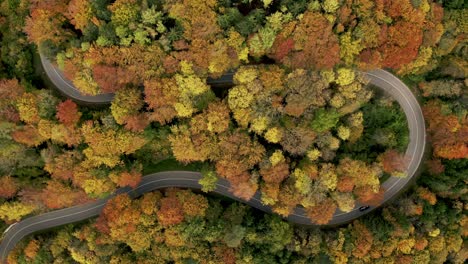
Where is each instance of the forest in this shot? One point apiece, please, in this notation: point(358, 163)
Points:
point(300, 124)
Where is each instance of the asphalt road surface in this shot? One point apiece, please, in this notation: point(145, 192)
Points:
point(183, 179)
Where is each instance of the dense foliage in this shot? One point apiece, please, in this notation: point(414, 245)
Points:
point(300, 125)
point(183, 227)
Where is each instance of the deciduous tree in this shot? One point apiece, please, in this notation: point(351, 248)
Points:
point(171, 211)
point(188, 146)
point(301, 45)
point(80, 13)
point(442, 88)
point(240, 149)
point(427, 195)
point(10, 92)
point(274, 173)
point(197, 17)
point(367, 195)
point(360, 172)
point(28, 135)
point(137, 123)
point(395, 163)
point(27, 106)
point(14, 211)
point(67, 113)
point(124, 12)
point(45, 24)
point(127, 178)
point(449, 135)
point(8, 187)
point(123, 220)
point(161, 96)
point(57, 195)
point(323, 212)
point(127, 102)
point(194, 205)
point(31, 249)
point(363, 241)
point(105, 146)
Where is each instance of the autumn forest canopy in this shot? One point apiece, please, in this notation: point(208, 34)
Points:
point(300, 124)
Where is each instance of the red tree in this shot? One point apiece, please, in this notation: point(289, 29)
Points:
point(45, 24)
point(119, 215)
point(67, 113)
point(161, 95)
point(128, 178)
point(309, 44)
point(367, 196)
point(171, 211)
point(105, 77)
point(275, 174)
point(323, 212)
point(449, 135)
point(345, 184)
point(57, 195)
point(28, 135)
point(10, 90)
point(8, 187)
point(401, 45)
point(435, 166)
point(137, 123)
point(394, 161)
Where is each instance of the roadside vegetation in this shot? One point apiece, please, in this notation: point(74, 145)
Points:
point(300, 125)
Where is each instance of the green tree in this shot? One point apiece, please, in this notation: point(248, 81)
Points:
point(234, 236)
point(209, 180)
point(325, 120)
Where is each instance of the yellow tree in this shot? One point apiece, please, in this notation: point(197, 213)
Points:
point(28, 109)
point(124, 12)
point(46, 24)
point(215, 118)
point(192, 204)
point(106, 145)
point(190, 86)
point(302, 181)
point(80, 13)
point(197, 17)
point(187, 146)
point(345, 201)
point(127, 102)
point(14, 211)
point(59, 133)
point(360, 172)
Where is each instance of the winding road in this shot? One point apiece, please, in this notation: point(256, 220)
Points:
point(184, 179)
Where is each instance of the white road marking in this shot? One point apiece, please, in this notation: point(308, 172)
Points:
point(220, 185)
point(83, 211)
point(9, 227)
